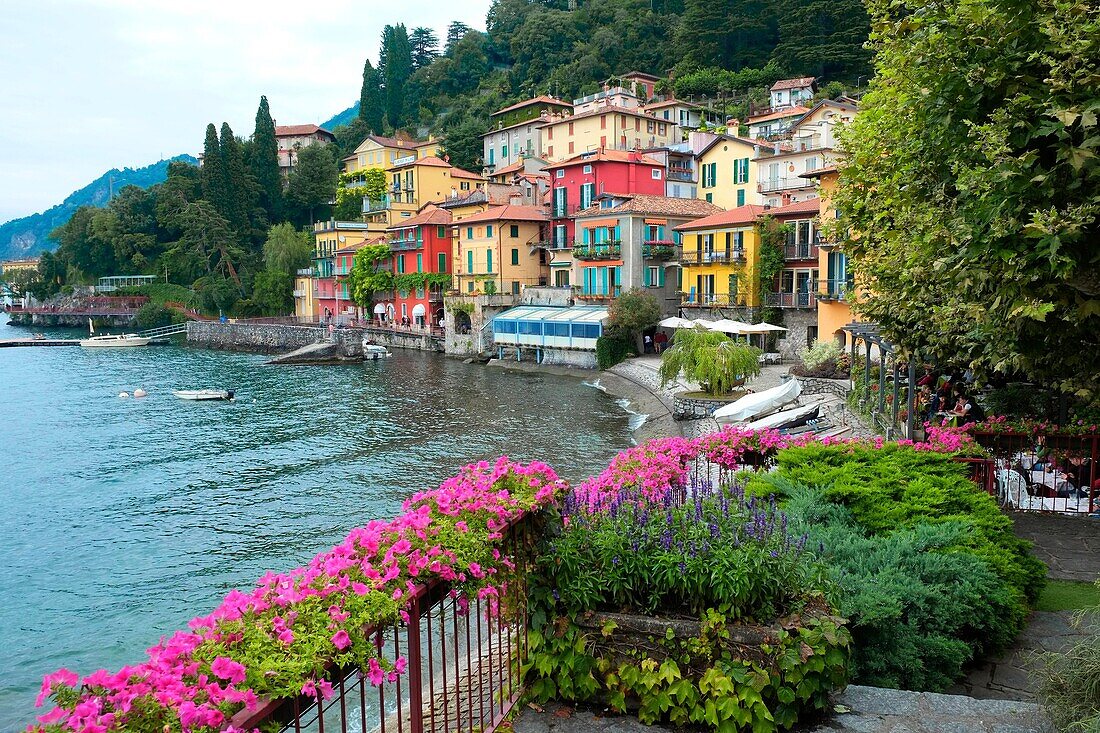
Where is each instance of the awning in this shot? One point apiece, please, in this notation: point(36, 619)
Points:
point(676, 322)
point(418, 310)
point(379, 308)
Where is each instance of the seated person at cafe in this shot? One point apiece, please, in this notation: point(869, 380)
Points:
point(966, 409)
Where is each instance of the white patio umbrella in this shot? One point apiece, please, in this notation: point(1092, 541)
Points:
point(762, 328)
point(728, 325)
point(676, 322)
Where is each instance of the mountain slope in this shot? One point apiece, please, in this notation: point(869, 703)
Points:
point(343, 118)
point(30, 235)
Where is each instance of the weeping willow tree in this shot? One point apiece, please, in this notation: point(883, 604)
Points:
point(714, 360)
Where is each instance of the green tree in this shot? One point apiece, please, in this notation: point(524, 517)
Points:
point(313, 180)
point(398, 69)
point(425, 46)
point(369, 275)
point(371, 100)
point(456, 31)
point(83, 245)
point(23, 282)
point(273, 292)
point(463, 144)
point(977, 203)
point(240, 187)
point(215, 187)
point(713, 360)
point(206, 246)
point(264, 163)
point(287, 249)
point(823, 38)
point(634, 311)
point(216, 294)
point(731, 35)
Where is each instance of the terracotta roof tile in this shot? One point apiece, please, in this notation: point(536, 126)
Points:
point(658, 205)
point(542, 99)
point(460, 173)
point(741, 215)
point(510, 212)
point(605, 154)
point(802, 81)
point(809, 206)
point(797, 111)
point(431, 215)
point(292, 130)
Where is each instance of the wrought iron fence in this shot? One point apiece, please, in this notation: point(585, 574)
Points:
point(463, 671)
point(1046, 472)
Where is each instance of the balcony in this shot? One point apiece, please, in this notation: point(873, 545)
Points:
point(784, 184)
point(598, 297)
point(307, 272)
point(371, 206)
point(800, 251)
point(601, 251)
point(681, 174)
point(790, 300)
point(829, 291)
point(405, 245)
point(658, 250)
point(435, 295)
point(704, 300)
point(721, 257)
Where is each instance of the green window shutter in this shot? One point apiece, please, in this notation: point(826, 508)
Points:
point(488, 260)
point(469, 232)
point(469, 261)
point(441, 265)
point(515, 256)
point(514, 231)
point(489, 230)
point(660, 277)
point(441, 232)
point(740, 197)
point(400, 264)
point(419, 262)
point(729, 239)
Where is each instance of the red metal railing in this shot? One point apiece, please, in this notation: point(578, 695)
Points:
point(1051, 472)
point(463, 671)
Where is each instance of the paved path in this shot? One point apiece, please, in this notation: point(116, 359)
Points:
point(867, 710)
point(1070, 546)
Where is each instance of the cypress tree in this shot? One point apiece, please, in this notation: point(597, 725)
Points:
point(398, 71)
point(371, 102)
point(214, 185)
point(239, 198)
point(264, 163)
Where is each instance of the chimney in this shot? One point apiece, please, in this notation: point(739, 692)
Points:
point(733, 122)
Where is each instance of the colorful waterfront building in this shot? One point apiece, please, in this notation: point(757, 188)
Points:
point(422, 260)
point(812, 145)
point(688, 115)
point(720, 263)
point(417, 181)
point(576, 183)
point(627, 241)
point(727, 172)
point(501, 249)
point(305, 306)
point(836, 290)
point(334, 247)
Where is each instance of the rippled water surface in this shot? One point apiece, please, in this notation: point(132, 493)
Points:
point(123, 518)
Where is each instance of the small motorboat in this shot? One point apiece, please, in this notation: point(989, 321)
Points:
point(125, 339)
point(791, 418)
point(203, 394)
point(759, 404)
point(374, 351)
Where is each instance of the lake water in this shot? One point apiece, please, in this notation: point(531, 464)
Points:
point(123, 518)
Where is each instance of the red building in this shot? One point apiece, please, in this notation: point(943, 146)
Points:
point(421, 246)
point(575, 183)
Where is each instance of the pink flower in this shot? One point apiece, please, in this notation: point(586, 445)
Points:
point(226, 669)
point(341, 639)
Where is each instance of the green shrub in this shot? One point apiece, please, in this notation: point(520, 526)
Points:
point(161, 293)
point(822, 351)
point(919, 608)
point(896, 487)
point(614, 347)
point(152, 315)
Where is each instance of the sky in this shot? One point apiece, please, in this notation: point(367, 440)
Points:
point(90, 85)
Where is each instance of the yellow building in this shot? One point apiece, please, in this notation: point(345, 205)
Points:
point(499, 250)
point(720, 260)
point(609, 127)
point(414, 182)
point(377, 151)
point(9, 266)
point(727, 172)
point(835, 289)
point(305, 305)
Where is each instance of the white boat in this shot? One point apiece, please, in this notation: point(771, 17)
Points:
point(787, 418)
point(203, 394)
point(759, 404)
point(125, 339)
point(374, 351)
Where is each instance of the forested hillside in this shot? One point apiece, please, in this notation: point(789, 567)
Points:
point(568, 48)
point(30, 235)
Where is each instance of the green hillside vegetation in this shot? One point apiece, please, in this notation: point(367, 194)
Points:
point(30, 235)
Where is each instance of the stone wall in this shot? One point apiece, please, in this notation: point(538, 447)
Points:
point(797, 321)
point(257, 338)
point(818, 386)
point(695, 408)
point(69, 320)
point(470, 334)
point(400, 339)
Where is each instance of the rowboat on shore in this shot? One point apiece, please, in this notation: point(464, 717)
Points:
point(203, 394)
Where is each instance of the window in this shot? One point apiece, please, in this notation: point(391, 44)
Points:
point(400, 263)
point(550, 151)
point(488, 260)
point(733, 287)
point(501, 326)
point(559, 173)
point(603, 141)
point(653, 277)
point(656, 173)
point(419, 262)
point(469, 232)
point(469, 261)
point(515, 287)
point(710, 198)
point(470, 287)
point(740, 197)
point(661, 129)
point(588, 193)
point(650, 126)
point(549, 133)
point(441, 232)
point(489, 230)
point(504, 152)
point(710, 175)
point(811, 164)
point(570, 147)
point(530, 328)
point(492, 156)
point(559, 235)
point(550, 328)
point(603, 122)
point(587, 169)
point(570, 128)
point(513, 231)
point(515, 256)
point(561, 199)
point(741, 170)
point(441, 263)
